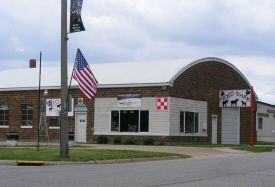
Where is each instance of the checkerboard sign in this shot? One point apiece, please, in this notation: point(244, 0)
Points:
point(162, 103)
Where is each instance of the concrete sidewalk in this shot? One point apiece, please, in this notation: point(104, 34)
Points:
point(194, 152)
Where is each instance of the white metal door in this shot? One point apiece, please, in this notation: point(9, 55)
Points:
point(80, 127)
point(214, 129)
point(230, 126)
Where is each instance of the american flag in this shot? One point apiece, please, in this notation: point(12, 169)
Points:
point(84, 76)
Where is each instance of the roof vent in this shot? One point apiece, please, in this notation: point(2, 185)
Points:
point(32, 63)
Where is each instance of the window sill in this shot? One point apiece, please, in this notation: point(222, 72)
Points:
point(54, 127)
point(26, 127)
point(4, 126)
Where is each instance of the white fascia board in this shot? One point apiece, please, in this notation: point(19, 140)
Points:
point(129, 85)
point(30, 88)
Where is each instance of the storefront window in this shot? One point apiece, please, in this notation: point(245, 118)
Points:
point(144, 121)
point(189, 122)
point(115, 121)
point(130, 121)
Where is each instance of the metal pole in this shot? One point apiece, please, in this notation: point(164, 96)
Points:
point(251, 143)
point(38, 131)
point(64, 151)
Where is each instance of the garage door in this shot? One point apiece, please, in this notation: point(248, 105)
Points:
point(230, 126)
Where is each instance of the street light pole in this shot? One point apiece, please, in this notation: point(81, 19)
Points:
point(64, 151)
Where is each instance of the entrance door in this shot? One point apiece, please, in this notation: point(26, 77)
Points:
point(230, 126)
point(80, 127)
point(214, 129)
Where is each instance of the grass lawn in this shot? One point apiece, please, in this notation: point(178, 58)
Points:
point(47, 154)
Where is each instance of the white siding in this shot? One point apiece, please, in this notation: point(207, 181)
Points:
point(158, 120)
point(268, 123)
point(177, 105)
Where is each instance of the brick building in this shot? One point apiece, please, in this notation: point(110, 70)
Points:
point(173, 101)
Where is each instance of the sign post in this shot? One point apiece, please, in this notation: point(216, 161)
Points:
point(251, 143)
point(236, 99)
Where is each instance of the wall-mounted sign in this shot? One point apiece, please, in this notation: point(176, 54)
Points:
point(80, 100)
point(270, 111)
point(53, 107)
point(129, 100)
point(80, 108)
point(235, 98)
point(162, 103)
point(263, 114)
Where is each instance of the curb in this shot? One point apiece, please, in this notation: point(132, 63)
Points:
point(30, 163)
point(117, 161)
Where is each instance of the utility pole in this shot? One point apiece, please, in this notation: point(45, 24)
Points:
point(64, 151)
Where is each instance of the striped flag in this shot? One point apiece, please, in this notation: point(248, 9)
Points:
point(84, 76)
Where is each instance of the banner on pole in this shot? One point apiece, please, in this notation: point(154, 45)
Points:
point(235, 98)
point(76, 24)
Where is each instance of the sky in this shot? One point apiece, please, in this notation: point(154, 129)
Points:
point(240, 32)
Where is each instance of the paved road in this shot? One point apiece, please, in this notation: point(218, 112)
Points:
point(253, 170)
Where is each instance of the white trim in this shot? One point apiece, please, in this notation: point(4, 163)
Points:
point(238, 125)
point(4, 126)
point(26, 127)
point(51, 127)
point(30, 88)
point(215, 130)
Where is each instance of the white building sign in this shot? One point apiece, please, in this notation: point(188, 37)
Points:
point(129, 100)
point(235, 98)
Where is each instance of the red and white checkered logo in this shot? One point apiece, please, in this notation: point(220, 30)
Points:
point(162, 103)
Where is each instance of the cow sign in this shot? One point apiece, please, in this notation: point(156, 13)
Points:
point(235, 98)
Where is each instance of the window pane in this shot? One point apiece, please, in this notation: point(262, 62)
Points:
point(196, 123)
point(7, 112)
point(25, 112)
point(129, 120)
point(54, 123)
point(114, 121)
point(30, 112)
point(189, 122)
point(2, 123)
point(6, 117)
point(144, 121)
point(2, 112)
point(2, 117)
point(181, 121)
point(29, 123)
point(25, 117)
point(7, 123)
point(260, 123)
point(29, 107)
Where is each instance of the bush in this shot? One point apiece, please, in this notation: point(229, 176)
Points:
point(101, 140)
point(117, 141)
point(161, 143)
point(148, 141)
point(130, 141)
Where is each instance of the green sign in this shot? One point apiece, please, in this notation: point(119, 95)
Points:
point(80, 108)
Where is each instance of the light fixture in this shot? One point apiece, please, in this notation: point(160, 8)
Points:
point(46, 92)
